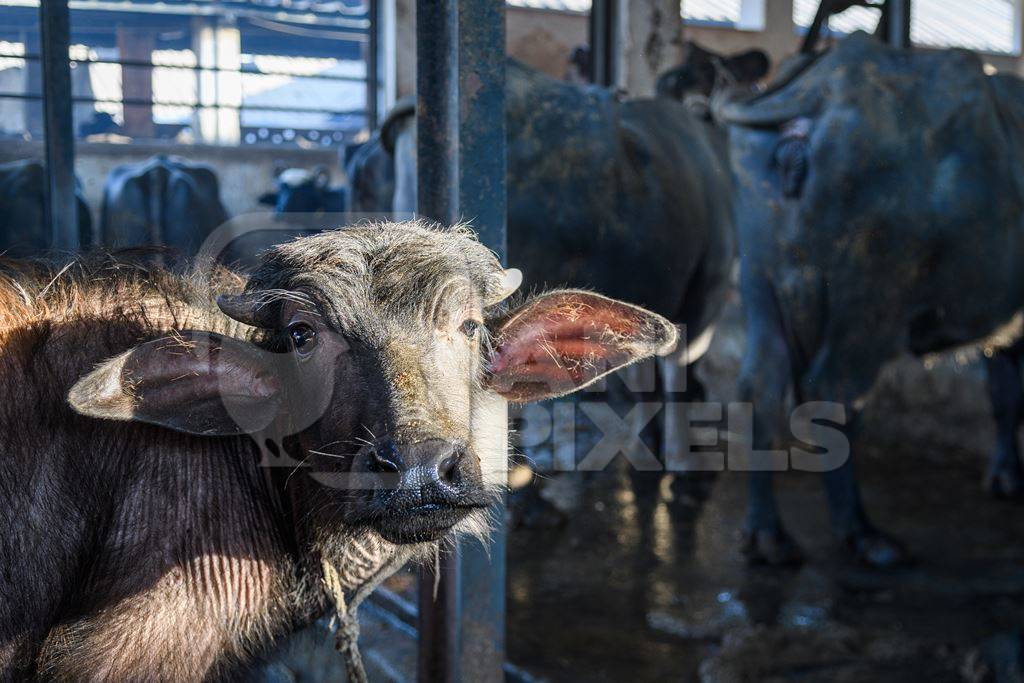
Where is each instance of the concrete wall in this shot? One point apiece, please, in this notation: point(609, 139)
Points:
point(650, 35)
point(651, 39)
point(545, 39)
point(244, 172)
point(405, 47)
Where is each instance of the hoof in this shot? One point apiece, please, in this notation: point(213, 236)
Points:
point(771, 547)
point(1004, 483)
point(878, 551)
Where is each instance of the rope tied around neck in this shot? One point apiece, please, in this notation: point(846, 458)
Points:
point(346, 639)
point(386, 561)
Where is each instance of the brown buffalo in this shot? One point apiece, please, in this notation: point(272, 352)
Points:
point(145, 534)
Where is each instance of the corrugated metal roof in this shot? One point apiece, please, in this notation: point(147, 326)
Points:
point(575, 6)
point(724, 11)
point(718, 11)
point(985, 25)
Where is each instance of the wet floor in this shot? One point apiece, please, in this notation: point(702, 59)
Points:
point(653, 588)
point(619, 594)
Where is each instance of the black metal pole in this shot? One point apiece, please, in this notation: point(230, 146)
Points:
point(604, 43)
point(61, 207)
point(897, 14)
point(818, 26)
point(373, 62)
point(460, 51)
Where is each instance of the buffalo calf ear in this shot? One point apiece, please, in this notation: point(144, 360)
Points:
point(562, 341)
point(194, 382)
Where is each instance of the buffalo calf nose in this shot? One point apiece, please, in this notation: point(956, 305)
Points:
point(436, 464)
point(430, 469)
point(449, 469)
point(385, 458)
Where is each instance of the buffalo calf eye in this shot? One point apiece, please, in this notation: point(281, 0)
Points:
point(303, 337)
point(469, 328)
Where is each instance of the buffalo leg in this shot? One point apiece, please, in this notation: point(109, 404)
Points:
point(840, 374)
point(764, 379)
point(694, 475)
point(675, 384)
point(1005, 476)
point(647, 381)
point(675, 388)
point(850, 523)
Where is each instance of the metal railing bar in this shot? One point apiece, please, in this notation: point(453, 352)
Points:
point(194, 9)
point(393, 603)
point(152, 65)
point(217, 69)
point(189, 105)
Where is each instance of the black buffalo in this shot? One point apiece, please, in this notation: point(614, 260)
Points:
point(23, 229)
point(371, 168)
point(302, 191)
point(702, 72)
point(165, 201)
point(880, 211)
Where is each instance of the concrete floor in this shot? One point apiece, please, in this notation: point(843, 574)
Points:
point(624, 593)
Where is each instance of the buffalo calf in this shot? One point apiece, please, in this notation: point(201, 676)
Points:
point(188, 458)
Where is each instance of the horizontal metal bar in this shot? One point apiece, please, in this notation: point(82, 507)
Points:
point(192, 10)
point(190, 105)
point(388, 617)
point(215, 69)
point(395, 604)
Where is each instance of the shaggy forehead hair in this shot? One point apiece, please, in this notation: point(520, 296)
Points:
point(387, 269)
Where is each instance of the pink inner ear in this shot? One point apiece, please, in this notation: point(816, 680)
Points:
point(556, 346)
